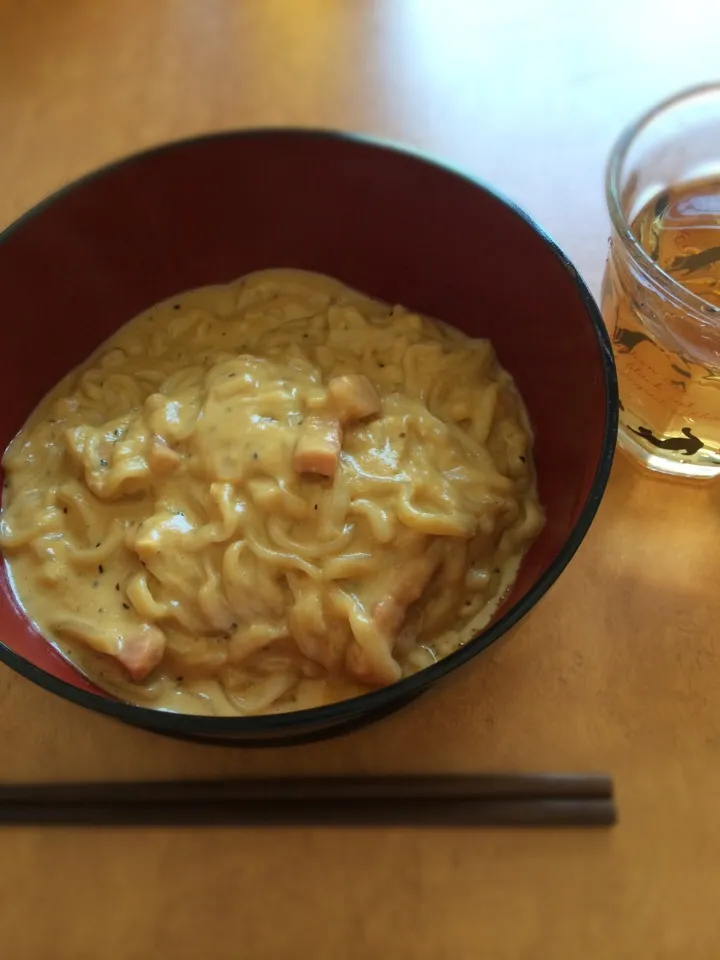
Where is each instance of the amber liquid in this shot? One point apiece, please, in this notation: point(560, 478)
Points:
point(668, 357)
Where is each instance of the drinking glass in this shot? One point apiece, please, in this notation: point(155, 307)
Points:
point(661, 290)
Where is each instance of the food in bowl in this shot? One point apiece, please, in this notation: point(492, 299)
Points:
point(269, 496)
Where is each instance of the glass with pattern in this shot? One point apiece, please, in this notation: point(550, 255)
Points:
point(661, 290)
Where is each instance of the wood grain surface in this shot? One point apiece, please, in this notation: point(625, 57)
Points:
point(616, 670)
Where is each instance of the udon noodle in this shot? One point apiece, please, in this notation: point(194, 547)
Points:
point(268, 496)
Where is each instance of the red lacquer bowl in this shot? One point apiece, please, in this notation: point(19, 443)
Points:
point(389, 222)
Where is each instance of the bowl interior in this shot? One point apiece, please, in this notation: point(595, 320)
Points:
point(384, 221)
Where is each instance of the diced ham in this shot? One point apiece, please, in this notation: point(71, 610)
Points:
point(377, 667)
point(141, 650)
point(353, 397)
point(405, 587)
point(162, 458)
point(388, 616)
point(318, 447)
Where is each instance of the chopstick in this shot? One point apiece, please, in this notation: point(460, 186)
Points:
point(449, 801)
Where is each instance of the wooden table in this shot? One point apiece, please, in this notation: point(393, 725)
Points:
point(616, 670)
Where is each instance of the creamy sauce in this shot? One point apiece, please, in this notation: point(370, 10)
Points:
point(267, 496)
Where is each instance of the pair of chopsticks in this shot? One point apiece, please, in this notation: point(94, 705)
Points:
point(540, 800)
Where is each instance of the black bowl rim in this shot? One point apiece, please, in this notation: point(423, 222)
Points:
point(335, 713)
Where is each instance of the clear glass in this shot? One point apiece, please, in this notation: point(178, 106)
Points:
point(663, 189)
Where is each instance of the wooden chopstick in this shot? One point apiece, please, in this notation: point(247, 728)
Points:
point(455, 800)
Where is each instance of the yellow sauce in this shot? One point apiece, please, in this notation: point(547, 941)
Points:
point(267, 496)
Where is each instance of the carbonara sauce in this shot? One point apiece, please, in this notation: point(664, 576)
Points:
point(268, 496)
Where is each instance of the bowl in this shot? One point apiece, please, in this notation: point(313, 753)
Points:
point(383, 219)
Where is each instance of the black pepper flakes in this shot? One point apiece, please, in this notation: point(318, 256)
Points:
point(103, 463)
point(117, 587)
point(522, 459)
point(176, 306)
point(100, 568)
point(126, 606)
point(65, 509)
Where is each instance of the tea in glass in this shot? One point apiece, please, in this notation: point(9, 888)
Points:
point(661, 291)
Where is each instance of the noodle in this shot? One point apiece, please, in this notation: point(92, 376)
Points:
point(267, 496)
